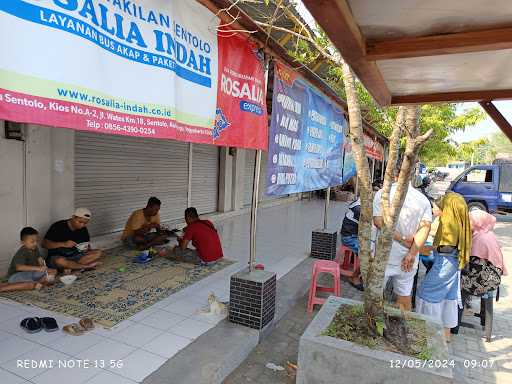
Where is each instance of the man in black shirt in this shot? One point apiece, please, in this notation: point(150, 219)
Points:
point(349, 237)
point(67, 242)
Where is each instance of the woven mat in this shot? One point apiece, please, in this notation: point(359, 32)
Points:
point(109, 296)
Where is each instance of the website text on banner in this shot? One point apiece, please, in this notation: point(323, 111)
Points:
point(306, 137)
point(146, 68)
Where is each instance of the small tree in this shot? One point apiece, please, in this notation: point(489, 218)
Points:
point(309, 48)
point(373, 266)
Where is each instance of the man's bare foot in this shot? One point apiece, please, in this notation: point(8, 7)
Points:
point(92, 265)
point(38, 286)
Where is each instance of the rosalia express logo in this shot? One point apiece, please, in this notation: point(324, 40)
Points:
point(221, 123)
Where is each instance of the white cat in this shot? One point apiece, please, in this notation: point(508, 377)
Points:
point(216, 308)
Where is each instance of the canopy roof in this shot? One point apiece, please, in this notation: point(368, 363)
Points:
point(279, 43)
point(413, 51)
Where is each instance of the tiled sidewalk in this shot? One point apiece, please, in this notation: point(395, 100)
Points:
point(468, 348)
point(138, 346)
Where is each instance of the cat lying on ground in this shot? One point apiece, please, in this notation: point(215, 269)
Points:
point(216, 308)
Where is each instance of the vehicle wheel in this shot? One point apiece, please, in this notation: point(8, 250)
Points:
point(476, 205)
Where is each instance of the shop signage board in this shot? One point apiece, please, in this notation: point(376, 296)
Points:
point(305, 139)
point(373, 148)
point(139, 68)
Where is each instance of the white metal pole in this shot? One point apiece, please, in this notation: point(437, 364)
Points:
point(327, 201)
point(189, 185)
point(254, 210)
point(255, 194)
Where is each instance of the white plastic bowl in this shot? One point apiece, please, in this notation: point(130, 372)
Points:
point(68, 279)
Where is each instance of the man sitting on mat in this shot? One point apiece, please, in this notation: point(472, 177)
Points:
point(27, 269)
point(204, 238)
point(67, 242)
point(143, 230)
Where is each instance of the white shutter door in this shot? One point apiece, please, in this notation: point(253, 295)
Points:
point(250, 162)
point(205, 177)
point(114, 175)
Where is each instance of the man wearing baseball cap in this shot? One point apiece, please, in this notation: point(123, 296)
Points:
point(67, 242)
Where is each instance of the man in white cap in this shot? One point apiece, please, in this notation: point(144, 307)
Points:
point(67, 242)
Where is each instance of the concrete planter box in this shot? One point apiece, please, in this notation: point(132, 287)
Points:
point(327, 360)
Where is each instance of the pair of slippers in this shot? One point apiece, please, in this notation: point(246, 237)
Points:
point(36, 324)
point(142, 258)
point(83, 326)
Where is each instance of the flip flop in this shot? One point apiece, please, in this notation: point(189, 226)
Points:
point(31, 324)
point(86, 323)
point(73, 329)
point(142, 259)
point(49, 324)
point(359, 287)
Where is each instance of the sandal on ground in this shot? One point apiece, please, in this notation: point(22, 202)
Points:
point(86, 323)
point(49, 324)
point(73, 329)
point(359, 287)
point(31, 324)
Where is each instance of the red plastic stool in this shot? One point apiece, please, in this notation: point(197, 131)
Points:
point(348, 261)
point(323, 266)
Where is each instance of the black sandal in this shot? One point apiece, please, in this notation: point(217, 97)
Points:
point(31, 324)
point(49, 324)
point(359, 287)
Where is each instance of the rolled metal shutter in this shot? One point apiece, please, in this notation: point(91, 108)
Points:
point(205, 177)
point(114, 175)
point(250, 162)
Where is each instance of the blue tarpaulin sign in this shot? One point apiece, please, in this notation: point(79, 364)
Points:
point(306, 137)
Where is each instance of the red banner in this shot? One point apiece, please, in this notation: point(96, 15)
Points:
point(373, 148)
point(241, 116)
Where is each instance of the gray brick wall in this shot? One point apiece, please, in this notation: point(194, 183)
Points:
point(252, 303)
point(323, 244)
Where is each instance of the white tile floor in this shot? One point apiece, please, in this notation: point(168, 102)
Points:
point(136, 347)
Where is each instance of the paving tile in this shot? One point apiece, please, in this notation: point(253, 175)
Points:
point(14, 313)
point(167, 344)
point(108, 332)
point(162, 320)
point(73, 345)
point(10, 378)
point(107, 350)
point(106, 377)
point(138, 365)
point(34, 362)
point(142, 314)
point(185, 307)
point(136, 334)
point(191, 329)
point(42, 337)
point(61, 375)
point(15, 346)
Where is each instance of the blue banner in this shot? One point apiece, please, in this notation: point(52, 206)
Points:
point(306, 137)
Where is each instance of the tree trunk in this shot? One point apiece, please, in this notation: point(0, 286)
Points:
point(373, 268)
point(372, 306)
point(407, 120)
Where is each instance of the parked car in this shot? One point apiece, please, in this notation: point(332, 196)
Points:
point(488, 187)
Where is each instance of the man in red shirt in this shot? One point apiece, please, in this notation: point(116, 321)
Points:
point(204, 238)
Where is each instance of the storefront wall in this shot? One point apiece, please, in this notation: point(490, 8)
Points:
point(36, 183)
point(55, 170)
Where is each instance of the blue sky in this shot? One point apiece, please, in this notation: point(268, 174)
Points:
point(486, 127)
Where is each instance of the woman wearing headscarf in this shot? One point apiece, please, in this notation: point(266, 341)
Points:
point(439, 294)
point(486, 266)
